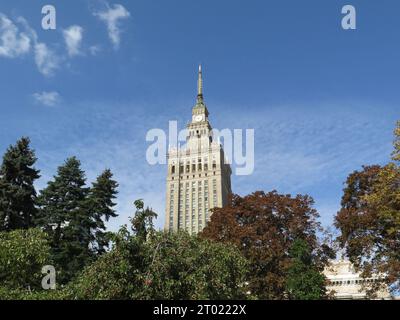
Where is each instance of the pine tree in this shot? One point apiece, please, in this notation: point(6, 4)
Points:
point(17, 191)
point(65, 218)
point(100, 206)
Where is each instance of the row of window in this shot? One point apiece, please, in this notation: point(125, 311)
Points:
point(194, 176)
point(194, 133)
point(192, 167)
point(351, 282)
point(194, 184)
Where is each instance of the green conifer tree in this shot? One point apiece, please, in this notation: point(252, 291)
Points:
point(101, 208)
point(65, 218)
point(17, 191)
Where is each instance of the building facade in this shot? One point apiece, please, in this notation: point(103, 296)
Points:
point(199, 177)
point(347, 284)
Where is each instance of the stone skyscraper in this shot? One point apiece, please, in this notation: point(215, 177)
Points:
point(199, 178)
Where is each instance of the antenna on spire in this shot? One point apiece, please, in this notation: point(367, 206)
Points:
point(200, 83)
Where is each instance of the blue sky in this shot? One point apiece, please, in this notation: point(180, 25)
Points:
point(323, 101)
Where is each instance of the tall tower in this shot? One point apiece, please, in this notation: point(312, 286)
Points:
point(199, 178)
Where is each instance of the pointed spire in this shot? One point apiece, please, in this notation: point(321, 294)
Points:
point(200, 100)
point(200, 85)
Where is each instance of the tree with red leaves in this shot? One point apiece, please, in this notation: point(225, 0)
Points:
point(264, 227)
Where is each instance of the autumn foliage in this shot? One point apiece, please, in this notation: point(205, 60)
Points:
point(369, 220)
point(264, 227)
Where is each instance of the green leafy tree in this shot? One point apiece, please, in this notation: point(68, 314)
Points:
point(142, 222)
point(17, 191)
point(304, 280)
point(115, 274)
point(168, 266)
point(23, 253)
point(145, 264)
point(23, 294)
point(369, 221)
point(179, 266)
point(396, 143)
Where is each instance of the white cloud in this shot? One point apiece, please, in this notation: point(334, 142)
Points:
point(298, 149)
point(112, 16)
point(49, 99)
point(73, 39)
point(46, 59)
point(18, 38)
point(94, 50)
point(13, 42)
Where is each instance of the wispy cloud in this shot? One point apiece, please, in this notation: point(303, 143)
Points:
point(49, 99)
point(112, 16)
point(18, 38)
point(115, 140)
point(94, 50)
point(46, 60)
point(296, 150)
point(307, 150)
point(13, 42)
point(73, 38)
point(311, 150)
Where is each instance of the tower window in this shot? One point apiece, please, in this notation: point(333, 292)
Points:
point(173, 169)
